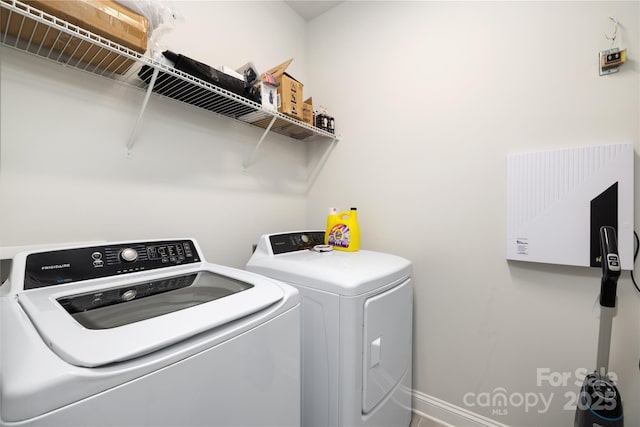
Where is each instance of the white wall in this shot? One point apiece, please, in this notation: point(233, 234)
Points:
point(430, 97)
point(64, 171)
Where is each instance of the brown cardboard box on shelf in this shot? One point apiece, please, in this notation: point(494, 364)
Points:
point(104, 18)
point(307, 112)
point(289, 91)
point(284, 127)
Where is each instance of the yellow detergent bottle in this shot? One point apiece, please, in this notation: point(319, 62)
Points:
point(332, 219)
point(343, 232)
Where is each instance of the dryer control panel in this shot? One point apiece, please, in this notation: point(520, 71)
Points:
point(298, 241)
point(73, 265)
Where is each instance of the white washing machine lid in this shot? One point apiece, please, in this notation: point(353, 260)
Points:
point(343, 273)
point(202, 297)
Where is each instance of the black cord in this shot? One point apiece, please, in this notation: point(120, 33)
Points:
point(635, 255)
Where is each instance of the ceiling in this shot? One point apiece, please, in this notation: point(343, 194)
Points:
point(311, 9)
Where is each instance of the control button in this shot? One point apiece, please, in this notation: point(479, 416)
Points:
point(96, 255)
point(98, 263)
point(187, 250)
point(129, 255)
point(305, 238)
point(129, 295)
point(613, 261)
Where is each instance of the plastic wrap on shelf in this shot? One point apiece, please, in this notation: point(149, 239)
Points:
point(163, 16)
point(157, 12)
point(190, 93)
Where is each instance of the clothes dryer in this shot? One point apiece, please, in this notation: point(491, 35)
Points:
point(146, 334)
point(356, 328)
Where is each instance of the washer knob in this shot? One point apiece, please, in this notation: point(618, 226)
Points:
point(129, 255)
point(129, 295)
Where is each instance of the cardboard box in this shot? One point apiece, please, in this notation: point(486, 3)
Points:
point(289, 90)
point(101, 17)
point(284, 127)
point(307, 112)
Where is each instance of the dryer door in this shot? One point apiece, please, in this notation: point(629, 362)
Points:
point(387, 343)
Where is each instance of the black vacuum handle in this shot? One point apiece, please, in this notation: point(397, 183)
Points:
point(610, 266)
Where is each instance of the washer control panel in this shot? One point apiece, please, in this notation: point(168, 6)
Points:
point(73, 265)
point(298, 241)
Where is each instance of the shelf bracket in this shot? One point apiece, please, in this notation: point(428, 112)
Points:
point(142, 110)
point(321, 162)
point(251, 158)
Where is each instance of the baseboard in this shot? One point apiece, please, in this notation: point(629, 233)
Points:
point(448, 414)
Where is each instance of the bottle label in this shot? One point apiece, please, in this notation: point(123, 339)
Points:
point(339, 236)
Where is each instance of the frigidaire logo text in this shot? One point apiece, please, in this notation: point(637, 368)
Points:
point(55, 266)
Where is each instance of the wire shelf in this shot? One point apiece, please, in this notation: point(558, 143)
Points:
point(33, 31)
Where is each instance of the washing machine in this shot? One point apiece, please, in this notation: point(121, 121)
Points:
point(356, 328)
point(146, 333)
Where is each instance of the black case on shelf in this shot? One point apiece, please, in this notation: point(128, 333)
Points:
point(190, 93)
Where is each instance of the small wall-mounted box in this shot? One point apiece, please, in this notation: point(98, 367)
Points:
point(611, 59)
